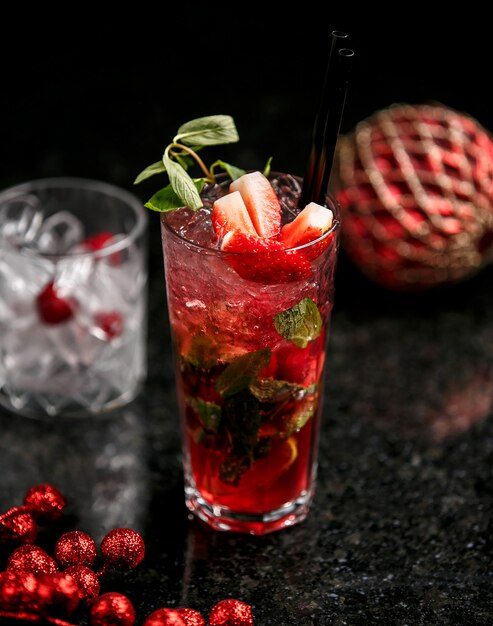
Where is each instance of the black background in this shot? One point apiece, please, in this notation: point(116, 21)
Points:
point(101, 95)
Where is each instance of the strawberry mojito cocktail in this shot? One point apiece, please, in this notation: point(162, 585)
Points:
point(249, 278)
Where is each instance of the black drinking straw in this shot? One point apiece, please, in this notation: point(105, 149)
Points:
point(327, 122)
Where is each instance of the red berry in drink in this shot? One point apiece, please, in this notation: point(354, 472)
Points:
point(110, 322)
point(264, 260)
point(53, 308)
point(100, 240)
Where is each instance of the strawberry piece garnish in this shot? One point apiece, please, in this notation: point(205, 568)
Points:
point(110, 322)
point(264, 260)
point(261, 202)
point(52, 308)
point(310, 224)
point(229, 213)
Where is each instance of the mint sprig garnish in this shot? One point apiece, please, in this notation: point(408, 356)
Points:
point(181, 154)
point(300, 324)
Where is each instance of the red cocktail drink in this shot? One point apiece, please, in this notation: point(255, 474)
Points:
point(249, 320)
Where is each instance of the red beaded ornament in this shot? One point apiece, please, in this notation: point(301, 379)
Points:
point(45, 502)
point(58, 592)
point(87, 582)
point(122, 548)
point(112, 609)
point(415, 185)
point(33, 589)
point(18, 526)
point(174, 617)
point(231, 612)
point(42, 504)
point(75, 548)
point(30, 558)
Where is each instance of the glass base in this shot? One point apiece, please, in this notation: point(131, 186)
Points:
point(225, 519)
point(46, 408)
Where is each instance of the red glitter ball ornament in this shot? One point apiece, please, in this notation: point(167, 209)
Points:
point(191, 617)
point(58, 593)
point(415, 185)
point(231, 612)
point(174, 617)
point(87, 581)
point(75, 548)
point(122, 548)
point(30, 558)
point(18, 591)
point(112, 609)
point(46, 502)
point(18, 526)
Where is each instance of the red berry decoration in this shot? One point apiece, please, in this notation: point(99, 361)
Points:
point(29, 558)
point(58, 593)
point(415, 184)
point(191, 617)
point(45, 502)
point(18, 590)
point(75, 548)
point(165, 617)
point(53, 308)
point(122, 549)
point(112, 609)
point(231, 613)
point(17, 526)
point(174, 617)
point(87, 581)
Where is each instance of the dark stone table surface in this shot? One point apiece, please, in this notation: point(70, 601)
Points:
point(401, 529)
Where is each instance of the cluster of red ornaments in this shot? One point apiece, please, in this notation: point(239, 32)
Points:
point(44, 589)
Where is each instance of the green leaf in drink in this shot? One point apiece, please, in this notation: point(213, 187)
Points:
point(300, 324)
point(242, 371)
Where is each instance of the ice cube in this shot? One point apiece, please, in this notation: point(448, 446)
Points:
point(20, 219)
point(59, 233)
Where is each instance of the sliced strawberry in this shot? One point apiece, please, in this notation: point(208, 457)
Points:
point(264, 260)
point(229, 213)
point(300, 365)
point(261, 202)
point(52, 308)
point(310, 224)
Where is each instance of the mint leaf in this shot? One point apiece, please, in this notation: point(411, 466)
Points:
point(182, 184)
point(208, 131)
point(300, 324)
point(203, 351)
point(166, 199)
point(209, 413)
point(151, 170)
point(241, 419)
point(272, 390)
point(242, 371)
point(233, 172)
point(303, 411)
point(266, 171)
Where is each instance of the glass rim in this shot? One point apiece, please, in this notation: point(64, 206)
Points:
point(73, 182)
point(330, 202)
